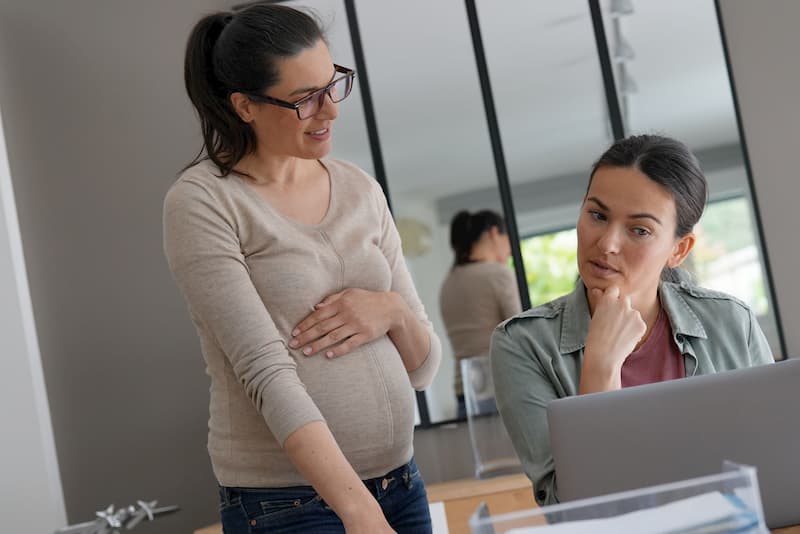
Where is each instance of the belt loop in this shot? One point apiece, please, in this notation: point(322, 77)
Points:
point(407, 477)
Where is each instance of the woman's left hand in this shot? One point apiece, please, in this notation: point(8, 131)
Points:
point(346, 320)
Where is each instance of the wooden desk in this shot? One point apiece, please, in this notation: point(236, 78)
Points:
point(461, 497)
point(213, 529)
point(505, 494)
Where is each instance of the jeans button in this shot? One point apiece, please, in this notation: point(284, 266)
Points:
point(384, 484)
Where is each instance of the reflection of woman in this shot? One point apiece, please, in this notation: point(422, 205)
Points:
point(480, 290)
point(625, 324)
point(289, 260)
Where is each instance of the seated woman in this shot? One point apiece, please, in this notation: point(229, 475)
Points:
point(480, 290)
point(632, 319)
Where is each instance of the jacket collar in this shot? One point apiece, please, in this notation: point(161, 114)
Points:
point(683, 320)
point(575, 325)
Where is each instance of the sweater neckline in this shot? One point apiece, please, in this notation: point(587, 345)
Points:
point(278, 213)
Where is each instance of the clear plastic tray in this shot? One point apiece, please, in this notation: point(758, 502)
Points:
point(727, 502)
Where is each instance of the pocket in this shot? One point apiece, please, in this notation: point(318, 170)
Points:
point(272, 507)
point(277, 510)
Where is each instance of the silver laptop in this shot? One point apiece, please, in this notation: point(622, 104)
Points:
point(645, 435)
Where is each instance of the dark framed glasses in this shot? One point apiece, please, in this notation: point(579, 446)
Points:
point(308, 106)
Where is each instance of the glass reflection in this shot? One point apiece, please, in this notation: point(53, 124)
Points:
point(480, 290)
point(436, 149)
point(672, 78)
point(552, 115)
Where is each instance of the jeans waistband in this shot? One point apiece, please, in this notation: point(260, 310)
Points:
point(405, 474)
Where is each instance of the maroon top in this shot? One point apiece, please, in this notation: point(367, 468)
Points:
point(658, 359)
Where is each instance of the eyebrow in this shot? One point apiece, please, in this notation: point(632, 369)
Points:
point(631, 216)
point(302, 90)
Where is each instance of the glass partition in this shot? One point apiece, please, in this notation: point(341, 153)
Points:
point(554, 123)
point(672, 79)
point(436, 148)
point(553, 119)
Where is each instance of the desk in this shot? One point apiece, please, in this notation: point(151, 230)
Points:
point(461, 497)
point(505, 494)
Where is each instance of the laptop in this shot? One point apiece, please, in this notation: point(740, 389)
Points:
point(669, 431)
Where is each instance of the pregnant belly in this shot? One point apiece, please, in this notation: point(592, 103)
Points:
point(365, 397)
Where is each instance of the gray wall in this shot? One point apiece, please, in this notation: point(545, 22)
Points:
point(763, 42)
point(97, 125)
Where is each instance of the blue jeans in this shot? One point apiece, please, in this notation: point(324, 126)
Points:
point(400, 494)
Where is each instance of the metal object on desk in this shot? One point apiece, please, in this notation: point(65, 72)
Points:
point(111, 522)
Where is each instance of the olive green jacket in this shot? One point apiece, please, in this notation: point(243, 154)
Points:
point(537, 356)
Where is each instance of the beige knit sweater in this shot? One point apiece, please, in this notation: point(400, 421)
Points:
point(249, 275)
point(474, 299)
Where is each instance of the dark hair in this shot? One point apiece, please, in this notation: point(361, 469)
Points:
point(239, 51)
point(670, 164)
point(466, 229)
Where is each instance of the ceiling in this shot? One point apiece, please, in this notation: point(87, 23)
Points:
point(545, 78)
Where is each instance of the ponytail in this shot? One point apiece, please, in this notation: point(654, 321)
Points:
point(226, 139)
point(466, 229)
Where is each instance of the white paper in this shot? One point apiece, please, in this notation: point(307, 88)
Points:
point(676, 517)
point(438, 518)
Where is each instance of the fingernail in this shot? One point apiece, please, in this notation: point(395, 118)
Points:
point(307, 351)
point(293, 343)
point(329, 354)
point(295, 331)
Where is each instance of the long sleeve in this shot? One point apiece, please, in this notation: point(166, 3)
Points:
point(402, 283)
point(522, 392)
point(206, 259)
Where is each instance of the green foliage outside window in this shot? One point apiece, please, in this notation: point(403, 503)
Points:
point(551, 265)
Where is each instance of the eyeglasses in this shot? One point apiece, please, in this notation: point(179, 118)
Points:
point(309, 105)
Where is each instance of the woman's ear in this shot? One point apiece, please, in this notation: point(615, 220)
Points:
point(682, 248)
point(243, 106)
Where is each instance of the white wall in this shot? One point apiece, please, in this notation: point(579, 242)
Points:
point(31, 500)
point(763, 41)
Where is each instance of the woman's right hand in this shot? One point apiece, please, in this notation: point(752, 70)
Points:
point(614, 331)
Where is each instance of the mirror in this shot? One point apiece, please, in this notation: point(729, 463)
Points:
point(554, 122)
point(672, 78)
point(435, 144)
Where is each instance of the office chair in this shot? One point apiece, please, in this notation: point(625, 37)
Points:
point(491, 446)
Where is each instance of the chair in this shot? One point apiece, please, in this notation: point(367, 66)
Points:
point(491, 446)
